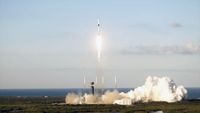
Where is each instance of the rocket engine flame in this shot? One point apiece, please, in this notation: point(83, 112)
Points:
point(99, 46)
point(98, 41)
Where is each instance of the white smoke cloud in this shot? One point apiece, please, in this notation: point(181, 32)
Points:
point(90, 99)
point(110, 96)
point(189, 48)
point(154, 89)
point(72, 98)
point(157, 89)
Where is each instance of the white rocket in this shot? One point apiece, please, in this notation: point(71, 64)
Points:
point(98, 25)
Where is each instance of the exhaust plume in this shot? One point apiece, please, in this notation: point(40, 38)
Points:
point(154, 89)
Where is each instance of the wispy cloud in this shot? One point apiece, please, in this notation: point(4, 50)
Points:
point(189, 48)
point(176, 25)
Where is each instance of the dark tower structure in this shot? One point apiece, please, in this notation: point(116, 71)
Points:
point(92, 87)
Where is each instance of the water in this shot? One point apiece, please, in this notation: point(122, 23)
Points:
point(193, 93)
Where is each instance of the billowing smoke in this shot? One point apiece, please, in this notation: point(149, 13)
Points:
point(72, 98)
point(154, 89)
point(109, 97)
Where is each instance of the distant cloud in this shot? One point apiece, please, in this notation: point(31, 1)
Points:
point(176, 25)
point(189, 49)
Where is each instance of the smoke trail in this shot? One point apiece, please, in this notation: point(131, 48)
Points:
point(154, 89)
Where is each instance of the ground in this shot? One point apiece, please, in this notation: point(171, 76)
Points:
point(56, 105)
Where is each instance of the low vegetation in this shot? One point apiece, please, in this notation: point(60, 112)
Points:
point(56, 105)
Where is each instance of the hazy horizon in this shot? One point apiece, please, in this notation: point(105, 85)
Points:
point(51, 44)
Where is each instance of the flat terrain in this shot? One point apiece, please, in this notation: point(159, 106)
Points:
point(52, 105)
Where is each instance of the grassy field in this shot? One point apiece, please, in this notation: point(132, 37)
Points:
point(48, 105)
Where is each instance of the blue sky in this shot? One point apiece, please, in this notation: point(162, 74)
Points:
point(51, 44)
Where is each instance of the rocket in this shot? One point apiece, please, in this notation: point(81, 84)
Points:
point(98, 23)
point(98, 26)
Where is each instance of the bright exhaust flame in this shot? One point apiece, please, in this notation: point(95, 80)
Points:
point(99, 46)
